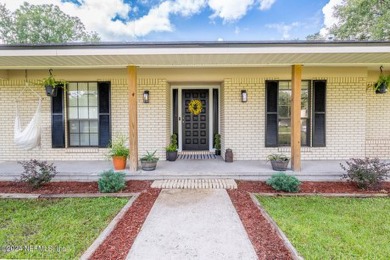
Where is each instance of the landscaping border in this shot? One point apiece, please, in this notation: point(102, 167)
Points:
point(63, 196)
point(107, 231)
point(329, 195)
point(279, 232)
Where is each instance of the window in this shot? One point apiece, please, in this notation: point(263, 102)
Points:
point(83, 114)
point(278, 113)
point(284, 113)
point(88, 115)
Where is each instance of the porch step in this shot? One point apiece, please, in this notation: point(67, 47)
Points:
point(196, 155)
point(195, 184)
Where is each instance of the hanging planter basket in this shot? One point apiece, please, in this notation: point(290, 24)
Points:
point(51, 91)
point(382, 84)
point(382, 88)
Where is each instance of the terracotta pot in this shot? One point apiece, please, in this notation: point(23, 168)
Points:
point(119, 162)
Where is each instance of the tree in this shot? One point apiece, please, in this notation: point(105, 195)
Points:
point(34, 24)
point(361, 20)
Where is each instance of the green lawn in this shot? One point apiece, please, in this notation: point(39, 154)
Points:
point(53, 229)
point(334, 228)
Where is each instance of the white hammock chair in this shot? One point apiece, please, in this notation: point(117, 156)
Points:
point(30, 137)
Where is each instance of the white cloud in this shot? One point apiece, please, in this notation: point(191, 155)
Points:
point(100, 16)
point(266, 4)
point(284, 29)
point(329, 19)
point(230, 10)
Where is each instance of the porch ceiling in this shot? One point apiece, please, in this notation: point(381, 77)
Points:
point(166, 55)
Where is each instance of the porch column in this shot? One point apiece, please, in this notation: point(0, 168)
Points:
point(133, 122)
point(296, 118)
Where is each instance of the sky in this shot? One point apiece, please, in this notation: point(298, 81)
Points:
point(197, 20)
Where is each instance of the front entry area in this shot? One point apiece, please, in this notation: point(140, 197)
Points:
point(195, 116)
point(195, 121)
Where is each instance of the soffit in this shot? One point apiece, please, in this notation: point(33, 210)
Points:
point(155, 56)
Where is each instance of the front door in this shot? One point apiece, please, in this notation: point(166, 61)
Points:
point(195, 119)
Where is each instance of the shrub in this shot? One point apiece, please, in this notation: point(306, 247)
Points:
point(283, 182)
point(111, 181)
point(36, 173)
point(118, 147)
point(366, 173)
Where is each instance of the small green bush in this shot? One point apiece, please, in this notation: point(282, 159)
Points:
point(36, 173)
point(283, 182)
point(111, 181)
point(366, 173)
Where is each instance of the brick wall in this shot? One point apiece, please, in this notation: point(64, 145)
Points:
point(153, 117)
point(244, 123)
point(358, 122)
point(243, 127)
point(378, 125)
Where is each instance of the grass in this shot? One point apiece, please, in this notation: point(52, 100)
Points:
point(53, 229)
point(333, 228)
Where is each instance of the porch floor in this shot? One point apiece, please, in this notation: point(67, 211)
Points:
point(320, 170)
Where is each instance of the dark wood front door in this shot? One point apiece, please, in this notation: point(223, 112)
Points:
point(195, 127)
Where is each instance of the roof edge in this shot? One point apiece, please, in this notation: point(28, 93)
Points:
point(200, 44)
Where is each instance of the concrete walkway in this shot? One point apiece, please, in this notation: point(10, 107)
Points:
point(192, 224)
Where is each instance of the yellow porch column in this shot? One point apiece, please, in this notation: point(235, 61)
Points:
point(133, 122)
point(296, 118)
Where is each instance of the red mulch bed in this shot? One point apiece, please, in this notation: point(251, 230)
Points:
point(313, 187)
point(67, 187)
point(264, 239)
point(119, 242)
point(258, 227)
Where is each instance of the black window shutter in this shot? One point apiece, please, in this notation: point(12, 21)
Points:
point(319, 110)
point(104, 89)
point(57, 120)
point(271, 132)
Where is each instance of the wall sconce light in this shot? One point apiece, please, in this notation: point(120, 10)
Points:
point(146, 96)
point(244, 96)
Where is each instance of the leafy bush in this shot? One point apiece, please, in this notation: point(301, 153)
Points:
point(172, 147)
point(149, 157)
point(111, 181)
point(278, 157)
point(36, 173)
point(366, 173)
point(283, 182)
point(217, 141)
point(118, 147)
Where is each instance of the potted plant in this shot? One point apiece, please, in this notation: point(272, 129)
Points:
point(279, 162)
point(51, 84)
point(217, 144)
point(382, 84)
point(171, 149)
point(149, 161)
point(119, 152)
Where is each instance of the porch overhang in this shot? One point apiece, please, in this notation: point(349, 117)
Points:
point(188, 55)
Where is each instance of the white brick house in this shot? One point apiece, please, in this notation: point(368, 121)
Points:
point(347, 121)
